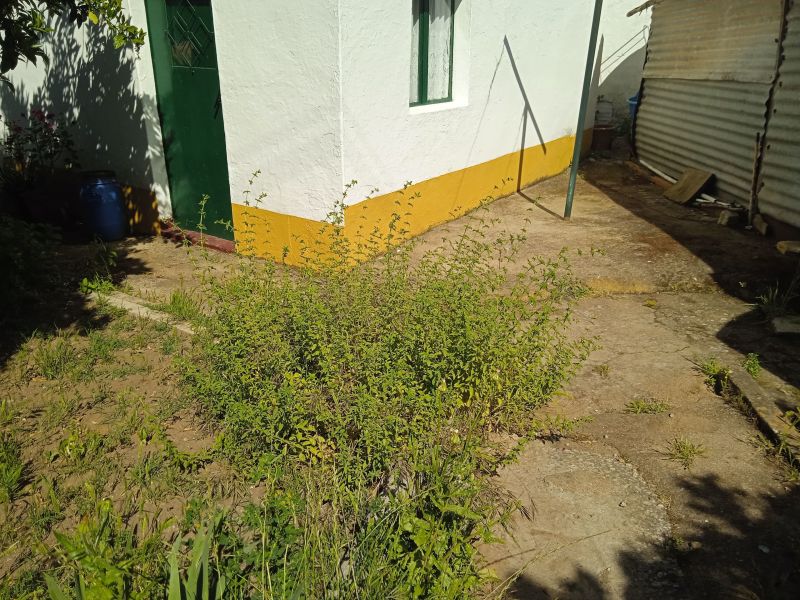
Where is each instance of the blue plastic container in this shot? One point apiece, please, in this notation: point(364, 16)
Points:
point(103, 207)
point(633, 105)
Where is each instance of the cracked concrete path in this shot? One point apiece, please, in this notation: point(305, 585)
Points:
point(669, 288)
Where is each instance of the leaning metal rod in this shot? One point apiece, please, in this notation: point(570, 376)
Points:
point(587, 88)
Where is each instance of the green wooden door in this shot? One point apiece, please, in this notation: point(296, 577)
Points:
point(181, 34)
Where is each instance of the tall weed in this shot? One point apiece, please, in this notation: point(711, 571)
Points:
point(363, 387)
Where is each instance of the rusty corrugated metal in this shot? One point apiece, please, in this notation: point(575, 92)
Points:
point(727, 40)
point(710, 125)
point(779, 195)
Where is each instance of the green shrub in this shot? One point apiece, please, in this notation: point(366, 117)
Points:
point(365, 363)
point(364, 392)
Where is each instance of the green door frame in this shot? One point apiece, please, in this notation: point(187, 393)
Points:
point(183, 51)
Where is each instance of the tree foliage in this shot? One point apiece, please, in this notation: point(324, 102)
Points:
point(24, 25)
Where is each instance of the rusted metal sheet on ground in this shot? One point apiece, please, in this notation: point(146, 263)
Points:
point(718, 40)
point(779, 195)
point(709, 125)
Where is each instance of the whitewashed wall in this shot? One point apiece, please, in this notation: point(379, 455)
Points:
point(387, 143)
point(316, 94)
point(518, 72)
point(622, 48)
point(109, 94)
point(279, 76)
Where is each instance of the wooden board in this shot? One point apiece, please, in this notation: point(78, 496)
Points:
point(689, 186)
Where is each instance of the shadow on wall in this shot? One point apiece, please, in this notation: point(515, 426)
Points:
point(621, 73)
point(760, 560)
point(94, 85)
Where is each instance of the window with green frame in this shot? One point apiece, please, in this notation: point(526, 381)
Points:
point(433, 36)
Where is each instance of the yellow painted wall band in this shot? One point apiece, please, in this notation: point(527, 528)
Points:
point(270, 234)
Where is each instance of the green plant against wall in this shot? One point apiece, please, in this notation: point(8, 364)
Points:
point(34, 148)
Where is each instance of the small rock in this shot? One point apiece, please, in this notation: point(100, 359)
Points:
point(605, 436)
point(728, 218)
point(671, 415)
point(764, 549)
point(623, 504)
point(695, 545)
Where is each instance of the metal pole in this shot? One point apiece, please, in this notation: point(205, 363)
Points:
point(587, 88)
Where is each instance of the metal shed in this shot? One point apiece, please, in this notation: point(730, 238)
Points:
point(719, 75)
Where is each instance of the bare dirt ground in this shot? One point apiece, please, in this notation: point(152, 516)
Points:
point(609, 515)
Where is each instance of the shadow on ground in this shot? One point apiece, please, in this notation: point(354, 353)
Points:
point(743, 264)
point(774, 574)
point(42, 277)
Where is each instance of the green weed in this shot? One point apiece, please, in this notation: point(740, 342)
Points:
point(108, 561)
point(46, 508)
point(685, 452)
point(96, 284)
point(11, 468)
point(54, 358)
point(182, 304)
point(603, 370)
point(102, 346)
point(170, 344)
point(752, 365)
point(60, 410)
point(717, 375)
point(777, 301)
point(646, 406)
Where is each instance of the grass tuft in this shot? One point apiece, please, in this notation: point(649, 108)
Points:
point(685, 452)
point(54, 358)
point(646, 406)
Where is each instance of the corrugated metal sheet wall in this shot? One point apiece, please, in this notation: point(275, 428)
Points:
point(780, 174)
point(707, 81)
point(709, 125)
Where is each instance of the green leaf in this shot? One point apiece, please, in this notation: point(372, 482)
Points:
point(54, 590)
point(174, 572)
point(93, 18)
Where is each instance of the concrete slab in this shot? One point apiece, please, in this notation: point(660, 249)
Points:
point(590, 515)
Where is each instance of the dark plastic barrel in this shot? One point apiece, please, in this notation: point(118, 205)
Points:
point(103, 206)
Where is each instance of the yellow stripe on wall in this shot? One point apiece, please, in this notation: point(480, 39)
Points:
point(434, 201)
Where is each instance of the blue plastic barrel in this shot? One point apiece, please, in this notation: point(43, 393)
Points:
point(633, 105)
point(103, 206)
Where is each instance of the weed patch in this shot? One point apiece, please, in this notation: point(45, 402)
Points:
point(380, 381)
point(752, 365)
point(684, 451)
point(717, 375)
point(646, 406)
point(54, 358)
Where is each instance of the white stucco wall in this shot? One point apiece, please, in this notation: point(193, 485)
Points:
point(109, 94)
point(623, 42)
point(387, 143)
point(316, 94)
point(279, 75)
